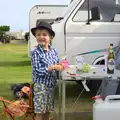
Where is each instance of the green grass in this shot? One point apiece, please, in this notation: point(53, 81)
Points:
point(15, 67)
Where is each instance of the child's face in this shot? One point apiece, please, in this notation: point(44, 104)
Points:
point(43, 37)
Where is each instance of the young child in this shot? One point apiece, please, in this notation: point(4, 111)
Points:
point(45, 63)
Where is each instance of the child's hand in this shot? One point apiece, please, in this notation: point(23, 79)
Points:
point(58, 67)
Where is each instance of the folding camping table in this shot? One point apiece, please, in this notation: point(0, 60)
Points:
point(95, 74)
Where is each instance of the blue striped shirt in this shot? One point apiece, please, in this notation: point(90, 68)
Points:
point(40, 61)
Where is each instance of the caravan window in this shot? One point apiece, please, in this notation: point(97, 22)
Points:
point(108, 12)
point(82, 14)
point(48, 20)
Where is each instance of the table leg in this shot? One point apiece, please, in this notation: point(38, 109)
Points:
point(60, 96)
point(103, 87)
point(101, 90)
point(63, 99)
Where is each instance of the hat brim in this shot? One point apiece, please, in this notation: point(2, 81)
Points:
point(52, 33)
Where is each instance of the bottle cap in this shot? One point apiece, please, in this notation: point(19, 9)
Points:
point(111, 44)
point(97, 97)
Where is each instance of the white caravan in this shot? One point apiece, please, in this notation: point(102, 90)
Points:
point(79, 31)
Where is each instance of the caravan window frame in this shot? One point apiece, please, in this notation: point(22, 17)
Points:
point(100, 21)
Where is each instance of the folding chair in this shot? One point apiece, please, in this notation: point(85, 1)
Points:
point(13, 109)
point(19, 107)
point(30, 110)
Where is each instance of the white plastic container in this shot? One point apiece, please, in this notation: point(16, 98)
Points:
point(79, 60)
point(109, 109)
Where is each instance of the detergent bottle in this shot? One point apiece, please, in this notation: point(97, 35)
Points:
point(108, 109)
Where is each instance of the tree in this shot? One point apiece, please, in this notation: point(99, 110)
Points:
point(27, 36)
point(1, 33)
point(4, 28)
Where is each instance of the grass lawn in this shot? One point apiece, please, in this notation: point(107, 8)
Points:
point(15, 67)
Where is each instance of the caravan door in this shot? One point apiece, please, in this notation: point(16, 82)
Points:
point(43, 12)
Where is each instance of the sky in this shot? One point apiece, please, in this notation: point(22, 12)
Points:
point(15, 13)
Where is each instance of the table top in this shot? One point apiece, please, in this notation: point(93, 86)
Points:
point(96, 72)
